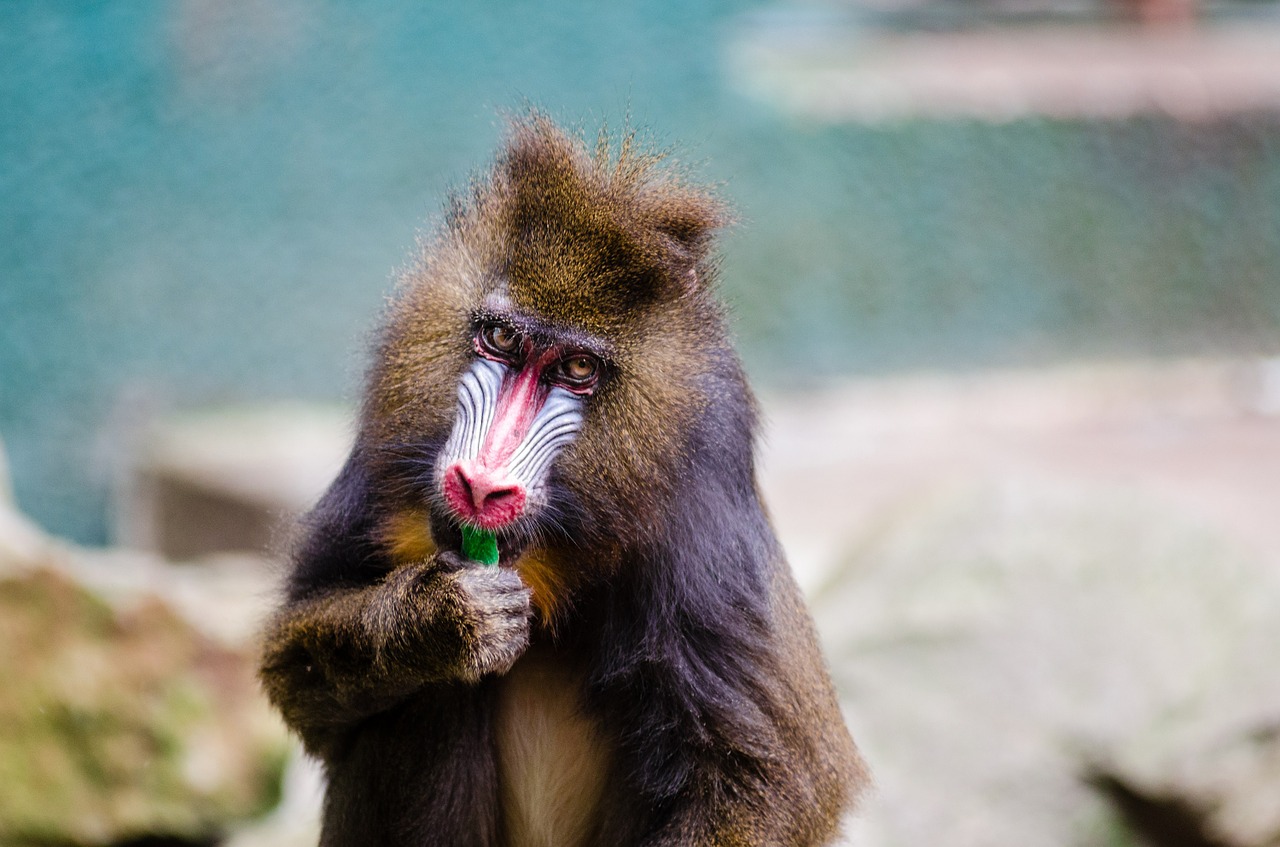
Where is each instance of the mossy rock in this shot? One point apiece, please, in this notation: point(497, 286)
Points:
point(119, 724)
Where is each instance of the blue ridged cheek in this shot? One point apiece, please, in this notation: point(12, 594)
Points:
point(555, 426)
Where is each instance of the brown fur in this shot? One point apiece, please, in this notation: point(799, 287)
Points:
point(652, 586)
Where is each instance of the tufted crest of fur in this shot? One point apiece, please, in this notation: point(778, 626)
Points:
point(588, 239)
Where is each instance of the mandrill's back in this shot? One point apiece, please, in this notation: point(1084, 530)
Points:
point(638, 667)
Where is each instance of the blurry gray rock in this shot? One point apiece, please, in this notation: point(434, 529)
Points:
point(1218, 756)
point(995, 644)
point(229, 480)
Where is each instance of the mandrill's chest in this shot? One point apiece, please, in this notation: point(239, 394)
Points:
point(552, 759)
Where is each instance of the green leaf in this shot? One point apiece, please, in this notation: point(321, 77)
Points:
point(480, 545)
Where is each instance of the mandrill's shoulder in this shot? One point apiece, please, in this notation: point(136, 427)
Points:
point(812, 722)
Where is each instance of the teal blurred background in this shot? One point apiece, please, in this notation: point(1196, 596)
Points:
point(205, 202)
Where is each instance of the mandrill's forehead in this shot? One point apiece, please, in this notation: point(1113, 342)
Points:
point(568, 246)
point(592, 277)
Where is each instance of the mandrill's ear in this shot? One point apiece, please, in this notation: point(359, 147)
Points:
point(686, 221)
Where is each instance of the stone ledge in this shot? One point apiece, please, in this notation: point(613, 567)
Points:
point(843, 74)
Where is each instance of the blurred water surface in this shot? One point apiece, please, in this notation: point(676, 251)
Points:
point(204, 202)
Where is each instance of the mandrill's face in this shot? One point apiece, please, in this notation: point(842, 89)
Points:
point(544, 368)
point(521, 401)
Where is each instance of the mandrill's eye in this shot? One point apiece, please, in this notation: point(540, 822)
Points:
point(499, 339)
point(578, 371)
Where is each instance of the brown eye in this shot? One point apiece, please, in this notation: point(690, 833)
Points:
point(578, 369)
point(500, 338)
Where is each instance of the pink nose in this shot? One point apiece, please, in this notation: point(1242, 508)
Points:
point(482, 496)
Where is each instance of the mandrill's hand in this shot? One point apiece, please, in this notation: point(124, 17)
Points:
point(447, 618)
point(493, 609)
point(335, 658)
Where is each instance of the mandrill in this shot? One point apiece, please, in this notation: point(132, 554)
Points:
point(638, 668)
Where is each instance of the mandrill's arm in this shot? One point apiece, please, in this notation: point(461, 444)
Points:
point(337, 656)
